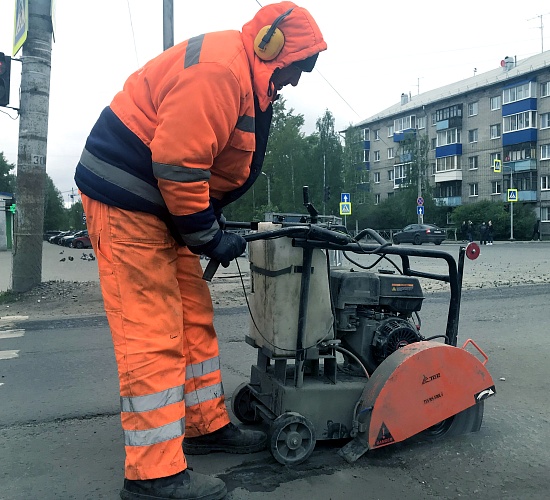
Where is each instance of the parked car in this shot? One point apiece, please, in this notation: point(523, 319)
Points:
point(82, 242)
point(420, 233)
point(55, 239)
point(49, 234)
point(67, 240)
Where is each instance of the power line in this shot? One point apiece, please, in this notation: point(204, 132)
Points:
point(133, 34)
point(329, 84)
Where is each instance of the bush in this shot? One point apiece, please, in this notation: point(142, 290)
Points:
point(499, 213)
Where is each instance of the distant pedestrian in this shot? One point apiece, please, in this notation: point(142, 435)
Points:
point(483, 233)
point(470, 231)
point(490, 230)
point(464, 231)
point(536, 231)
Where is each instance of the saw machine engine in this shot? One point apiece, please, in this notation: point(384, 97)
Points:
point(374, 315)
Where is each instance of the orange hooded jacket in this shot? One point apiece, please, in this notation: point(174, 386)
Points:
point(178, 140)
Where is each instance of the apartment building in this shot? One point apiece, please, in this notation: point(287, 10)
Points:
point(486, 134)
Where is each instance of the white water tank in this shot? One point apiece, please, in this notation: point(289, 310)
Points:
point(275, 280)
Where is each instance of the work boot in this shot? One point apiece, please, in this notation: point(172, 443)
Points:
point(230, 439)
point(186, 485)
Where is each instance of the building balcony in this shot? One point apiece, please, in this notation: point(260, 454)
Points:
point(448, 175)
point(453, 122)
point(519, 166)
point(404, 135)
point(362, 167)
point(450, 201)
point(522, 196)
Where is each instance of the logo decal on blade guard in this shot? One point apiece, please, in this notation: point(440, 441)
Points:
point(480, 396)
point(384, 436)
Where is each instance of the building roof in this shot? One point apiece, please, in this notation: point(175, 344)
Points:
point(477, 82)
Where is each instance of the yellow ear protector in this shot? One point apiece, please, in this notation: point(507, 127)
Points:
point(270, 40)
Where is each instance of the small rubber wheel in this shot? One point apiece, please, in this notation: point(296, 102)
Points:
point(241, 404)
point(468, 420)
point(292, 438)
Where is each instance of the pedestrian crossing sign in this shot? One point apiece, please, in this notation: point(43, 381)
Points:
point(345, 208)
point(497, 165)
point(512, 195)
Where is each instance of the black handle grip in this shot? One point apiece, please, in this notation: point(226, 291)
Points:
point(324, 234)
point(210, 270)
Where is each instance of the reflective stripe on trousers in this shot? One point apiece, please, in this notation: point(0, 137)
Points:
point(160, 315)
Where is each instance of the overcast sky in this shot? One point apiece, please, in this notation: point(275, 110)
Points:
point(376, 51)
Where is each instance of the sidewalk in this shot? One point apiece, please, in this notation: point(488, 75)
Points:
point(53, 268)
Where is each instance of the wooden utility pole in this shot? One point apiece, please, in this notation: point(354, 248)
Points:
point(31, 157)
point(168, 23)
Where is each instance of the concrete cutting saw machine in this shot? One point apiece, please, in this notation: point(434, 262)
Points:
point(340, 352)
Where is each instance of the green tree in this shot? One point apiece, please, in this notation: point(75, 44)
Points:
point(74, 216)
point(54, 212)
point(7, 179)
point(327, 165)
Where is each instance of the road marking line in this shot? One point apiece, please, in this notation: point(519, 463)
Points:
point(9, 354)
point(11, 334)
point(13, 318)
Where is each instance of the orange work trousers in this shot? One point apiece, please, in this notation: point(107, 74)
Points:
point(160, 314)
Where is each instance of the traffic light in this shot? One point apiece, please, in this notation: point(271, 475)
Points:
point(327, 193)
point(5, 71)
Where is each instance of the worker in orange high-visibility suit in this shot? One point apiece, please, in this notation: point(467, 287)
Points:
point(185, 137)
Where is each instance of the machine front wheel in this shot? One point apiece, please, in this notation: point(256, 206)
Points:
point(241, 404)
point(292, 438)
point(468, 420)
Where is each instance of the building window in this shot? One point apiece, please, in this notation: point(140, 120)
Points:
point(400, 177)
point(545, 89)
point(405, 123)
point(390, 195)
point(432, 168)
point(421, 122)
point(473, 108)
point(377, 156)
point(521, 121)
point(496, 103)
point(472, 135)
point(545, 183)
point(544, 120)
point(391, 153)
point(495, 156)
point(377, 177)
point(366, 134)
point(390, 175)
point(377, 199)
point(495, 131)
point(473, 162)
point(474, 190)
point(366, 155)
point(447, 163)
point(377, 135)
point(545, 214)
point(496, 187)
point(545, 152)
point(523, 91)
point(449, 112)
point(390, 131)
point(434, 143)
point(434, 119)
point(451, 136)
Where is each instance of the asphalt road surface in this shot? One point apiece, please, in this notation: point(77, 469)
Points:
point(60, 434)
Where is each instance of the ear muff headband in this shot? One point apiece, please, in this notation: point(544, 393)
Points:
point(270, 40)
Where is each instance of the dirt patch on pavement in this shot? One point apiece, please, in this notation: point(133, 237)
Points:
point(58, 299)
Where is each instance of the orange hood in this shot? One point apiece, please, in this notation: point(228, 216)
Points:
point(303, 39)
